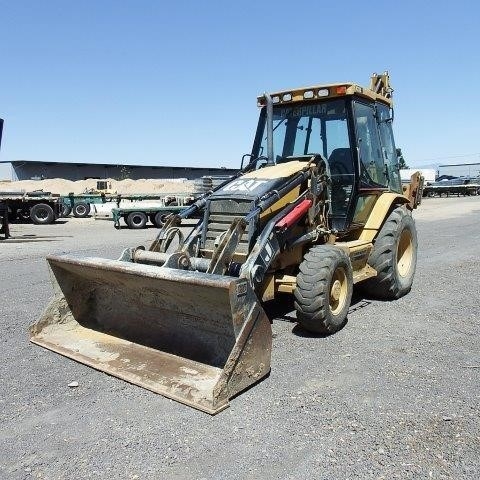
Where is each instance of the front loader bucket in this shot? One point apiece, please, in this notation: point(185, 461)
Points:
point(194, 337)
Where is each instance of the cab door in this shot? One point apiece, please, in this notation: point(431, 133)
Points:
point(372, 164)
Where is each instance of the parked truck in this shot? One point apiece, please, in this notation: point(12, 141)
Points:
point(38, 207)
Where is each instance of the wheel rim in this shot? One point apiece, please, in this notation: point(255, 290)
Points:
point(405, 253)
point(137, 219)
point(81, 210)
point(338, 290)
point(42, 213)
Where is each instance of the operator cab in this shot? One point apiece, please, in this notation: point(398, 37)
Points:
point(350, 129)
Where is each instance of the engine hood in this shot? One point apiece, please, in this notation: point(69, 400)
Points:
point(259, 182)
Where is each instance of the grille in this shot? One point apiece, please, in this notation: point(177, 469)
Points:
point(221, 215)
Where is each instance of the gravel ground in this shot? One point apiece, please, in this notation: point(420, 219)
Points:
point(394, 394)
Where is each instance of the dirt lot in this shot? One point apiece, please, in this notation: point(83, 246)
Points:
point(394, 394)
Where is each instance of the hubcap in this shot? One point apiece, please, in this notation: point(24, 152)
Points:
point(405, 253)
point(338, 290)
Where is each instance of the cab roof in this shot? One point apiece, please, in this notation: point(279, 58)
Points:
point(379, 90)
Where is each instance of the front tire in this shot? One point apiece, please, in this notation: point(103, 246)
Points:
point(394, 257)
point(324, 289)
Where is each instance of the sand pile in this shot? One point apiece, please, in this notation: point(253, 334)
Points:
point(63, 187)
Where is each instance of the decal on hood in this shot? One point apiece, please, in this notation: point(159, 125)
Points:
point(243, 185)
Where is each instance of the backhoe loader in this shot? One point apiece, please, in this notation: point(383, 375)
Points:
point(316, 207)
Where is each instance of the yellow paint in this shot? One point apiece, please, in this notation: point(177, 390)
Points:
point(268, 288)
point(379, 214)
point(286, 199)
point(285, 283)
point(282, 170)
point(364, 273)
point(350, 89)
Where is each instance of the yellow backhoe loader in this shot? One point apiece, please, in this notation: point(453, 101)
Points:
point(317, 207)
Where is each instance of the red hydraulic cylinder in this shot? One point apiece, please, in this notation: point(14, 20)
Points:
point(295, 215)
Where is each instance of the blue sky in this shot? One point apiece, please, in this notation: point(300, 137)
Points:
point(153, 82)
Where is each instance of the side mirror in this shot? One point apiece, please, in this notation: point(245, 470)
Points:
point(247, 155)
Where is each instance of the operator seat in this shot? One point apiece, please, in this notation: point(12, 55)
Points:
point(341, 165)
point(342, 175)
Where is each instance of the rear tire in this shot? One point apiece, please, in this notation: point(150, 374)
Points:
point(394, 257)
point(42, 214)
point(160, 218)
point(324, 289)
point(136, 220)
point(81, 209)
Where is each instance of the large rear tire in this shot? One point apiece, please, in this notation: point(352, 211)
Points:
point(136, 220)
point(42, 214)
point(324, 289)
point(394, 257)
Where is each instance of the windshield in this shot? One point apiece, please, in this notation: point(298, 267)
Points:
point(320, 127)
point(308, 128)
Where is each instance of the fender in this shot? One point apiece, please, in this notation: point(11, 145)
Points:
point(380, 213)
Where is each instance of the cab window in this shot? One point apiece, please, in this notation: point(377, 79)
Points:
point(388, 147)
point(372, 165)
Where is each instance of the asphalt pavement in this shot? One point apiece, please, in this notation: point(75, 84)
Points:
point(393, 395)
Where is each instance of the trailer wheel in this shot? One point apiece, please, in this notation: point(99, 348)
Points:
point(81, 209)
point(136, 220)
point(394, 257)
point(66, 210)
point(42, 214)
point(160, 218)
point(324, 289)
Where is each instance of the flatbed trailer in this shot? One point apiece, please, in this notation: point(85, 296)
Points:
point(39, 207)
point(80, 204)
point(137, 215)
point(435, 190)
